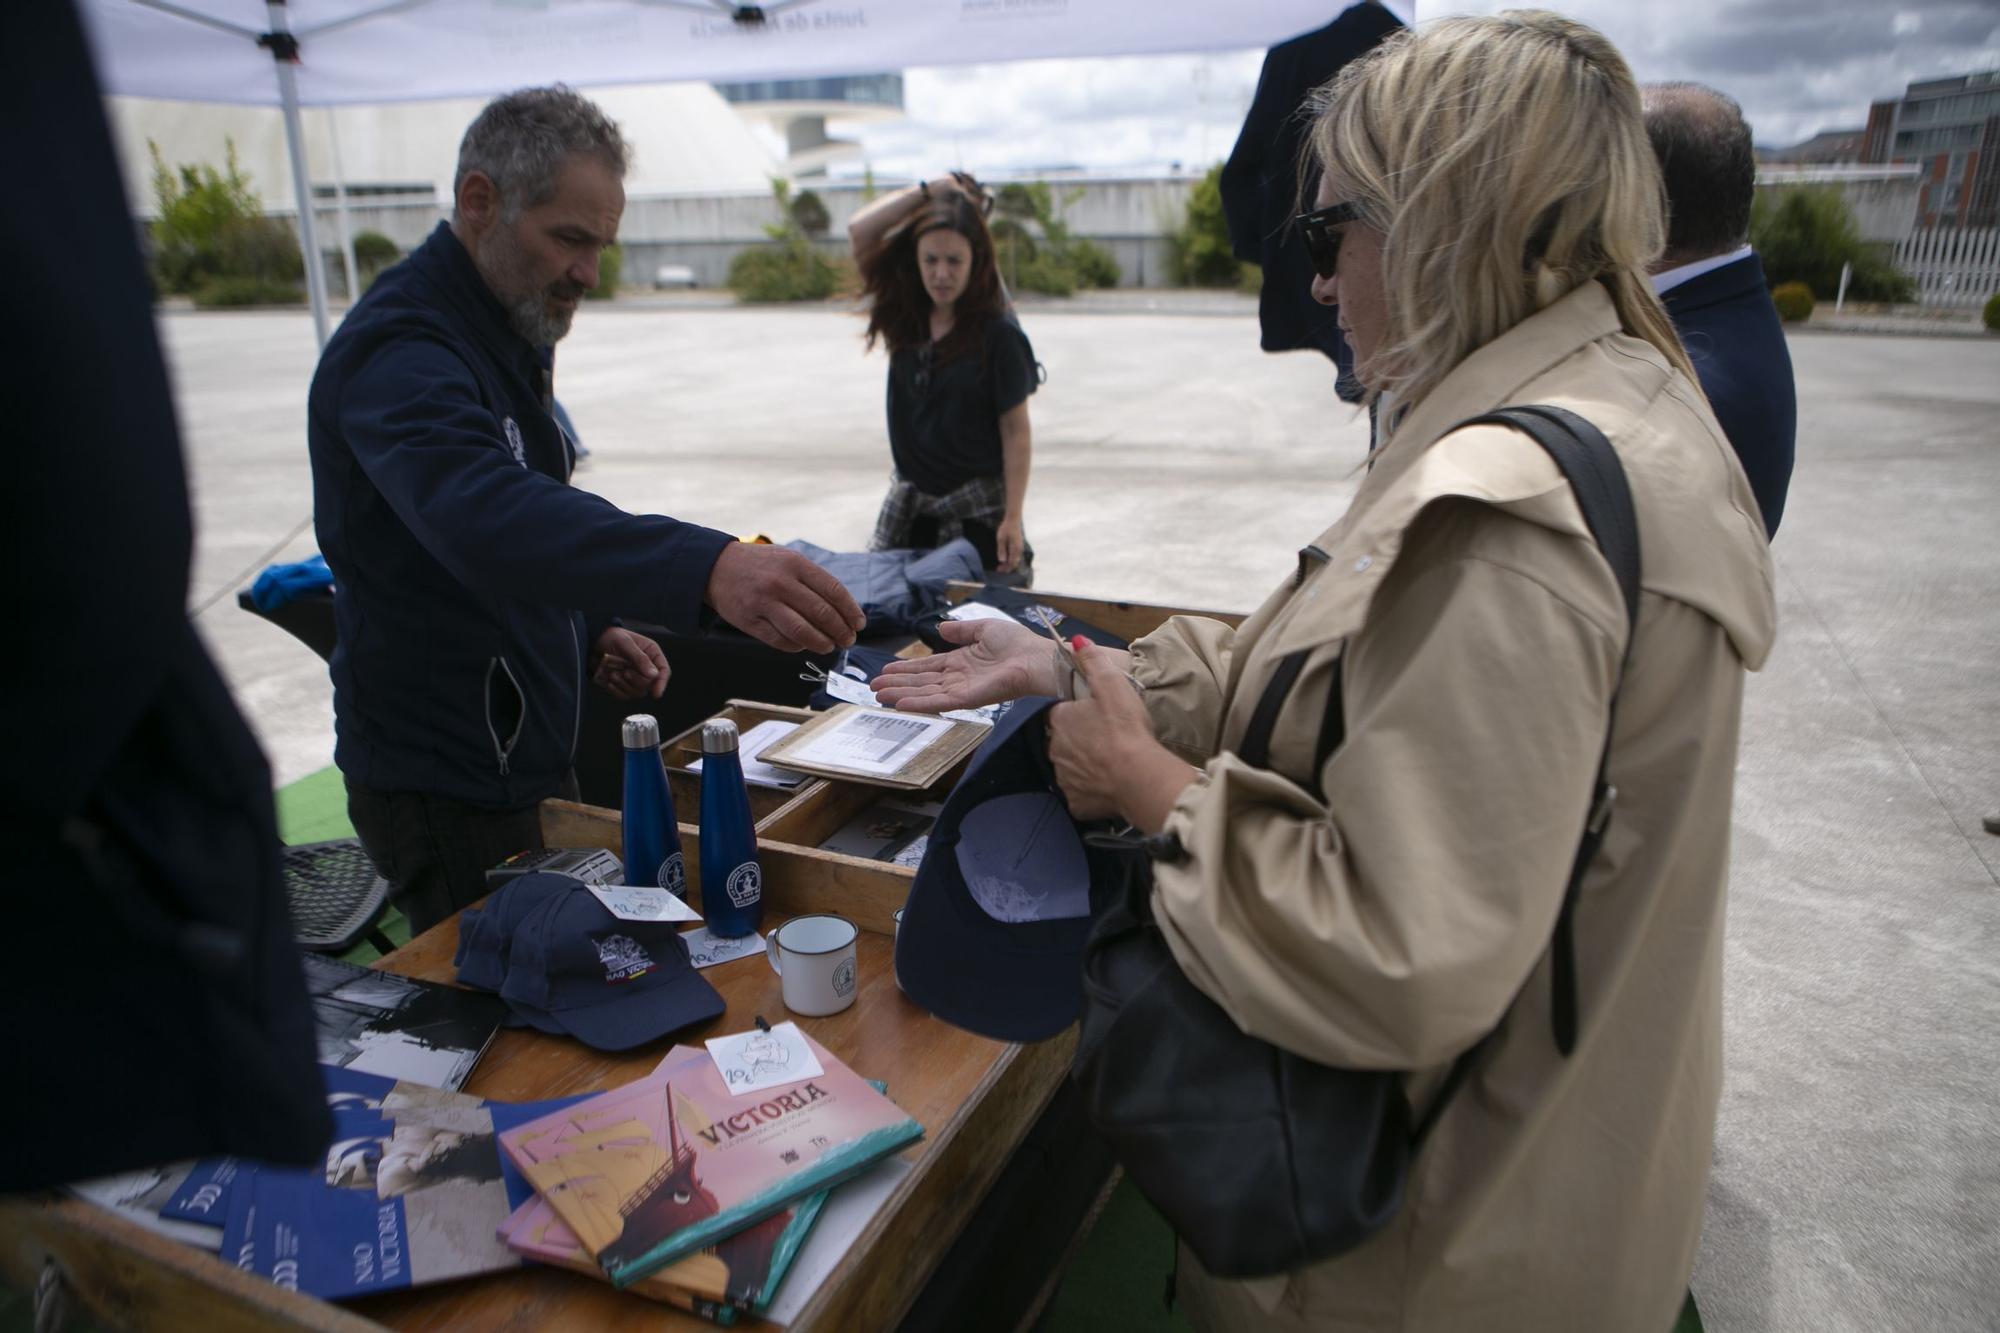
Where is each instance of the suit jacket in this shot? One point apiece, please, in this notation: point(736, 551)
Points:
point(1260, 183)
point(155, 1006)
point(1731, 332)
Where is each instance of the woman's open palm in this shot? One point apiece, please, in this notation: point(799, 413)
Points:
point(999, 660)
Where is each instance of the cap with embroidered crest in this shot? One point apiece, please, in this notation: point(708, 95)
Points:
point(573, 968)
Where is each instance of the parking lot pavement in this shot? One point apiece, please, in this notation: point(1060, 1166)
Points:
point(1857, 1177)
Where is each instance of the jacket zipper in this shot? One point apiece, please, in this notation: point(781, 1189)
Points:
point(504, 749)
point(576, 722)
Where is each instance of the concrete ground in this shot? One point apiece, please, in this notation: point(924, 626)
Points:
point(1857, 1177)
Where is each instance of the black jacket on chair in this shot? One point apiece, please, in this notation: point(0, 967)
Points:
point(152, 995)
point(1732, 334)
point(1260, 193)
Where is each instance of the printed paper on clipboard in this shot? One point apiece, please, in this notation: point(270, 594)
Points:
point(877, 746)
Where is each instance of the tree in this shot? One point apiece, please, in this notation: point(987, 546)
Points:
point(1198, 255)
point(1805, 233)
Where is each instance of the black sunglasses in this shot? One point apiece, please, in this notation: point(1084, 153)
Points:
point(1322, 241)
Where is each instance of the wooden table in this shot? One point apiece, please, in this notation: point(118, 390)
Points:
point(975, 1099)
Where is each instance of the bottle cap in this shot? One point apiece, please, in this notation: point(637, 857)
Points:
point(642, 732)
point(718, 736)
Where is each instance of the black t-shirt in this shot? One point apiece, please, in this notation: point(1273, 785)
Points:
point(944, 417)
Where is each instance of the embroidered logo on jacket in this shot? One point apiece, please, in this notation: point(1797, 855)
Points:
point(514, 443)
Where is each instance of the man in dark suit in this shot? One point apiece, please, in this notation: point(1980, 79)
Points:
point(1260, 184)
point(1713, 283)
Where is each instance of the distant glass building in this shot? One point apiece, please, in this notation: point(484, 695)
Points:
point(800, 108)
point(1950, 128)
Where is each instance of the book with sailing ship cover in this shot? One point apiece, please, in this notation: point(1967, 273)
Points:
point(660, 1168)
point(740, 1272)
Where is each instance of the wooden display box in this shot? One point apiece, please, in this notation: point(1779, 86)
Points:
point(685, 787)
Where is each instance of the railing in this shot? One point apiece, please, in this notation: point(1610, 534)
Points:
point(1953, 267)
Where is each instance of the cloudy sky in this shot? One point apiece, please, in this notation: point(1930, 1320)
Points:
point(1797, 66)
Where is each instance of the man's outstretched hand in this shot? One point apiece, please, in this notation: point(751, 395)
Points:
point(783, 599)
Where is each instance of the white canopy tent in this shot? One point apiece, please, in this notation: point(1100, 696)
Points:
point(294, 53)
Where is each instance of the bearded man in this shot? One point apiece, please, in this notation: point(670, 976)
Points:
point(474, 588)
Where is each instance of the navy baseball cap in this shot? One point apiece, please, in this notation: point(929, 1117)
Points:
point(575, 969)
point(486, 934)
point(993, 932)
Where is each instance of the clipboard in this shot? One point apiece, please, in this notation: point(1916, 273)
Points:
point(877, 746)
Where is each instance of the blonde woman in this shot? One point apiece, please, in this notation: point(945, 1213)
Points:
point(1487, 210)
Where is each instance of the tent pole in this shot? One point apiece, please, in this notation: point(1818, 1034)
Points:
point(340, 198)
point(285, 51)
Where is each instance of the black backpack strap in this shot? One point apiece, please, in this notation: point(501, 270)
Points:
point(1597, 478)
point(1256, 747)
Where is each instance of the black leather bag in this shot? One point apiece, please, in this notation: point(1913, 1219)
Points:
point(1261, 1160)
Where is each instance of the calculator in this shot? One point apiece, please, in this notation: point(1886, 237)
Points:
point(586, 865)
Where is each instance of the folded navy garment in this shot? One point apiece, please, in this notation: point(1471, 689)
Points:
point(896, 588)
point(279, 584)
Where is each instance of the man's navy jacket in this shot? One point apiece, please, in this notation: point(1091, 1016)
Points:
point(469, 575)
point(1260, 183)
point(1732, 334)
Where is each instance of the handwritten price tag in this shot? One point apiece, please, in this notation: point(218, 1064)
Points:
point(635, 902)
point(755, 1060)
point(706, 950)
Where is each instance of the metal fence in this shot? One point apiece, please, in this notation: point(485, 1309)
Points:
point(1953, 267)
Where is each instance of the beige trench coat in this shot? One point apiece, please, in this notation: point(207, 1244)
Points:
point(1394, 924)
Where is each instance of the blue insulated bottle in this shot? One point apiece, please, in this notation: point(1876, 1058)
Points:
point(732, 883)
point(652, 839)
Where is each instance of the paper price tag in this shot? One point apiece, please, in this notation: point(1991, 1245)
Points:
point(976, 611)
point(849, 690)
point(706, 950)
point(755, 1060)
point(638, 902)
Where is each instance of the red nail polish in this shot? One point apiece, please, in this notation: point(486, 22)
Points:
point(1078, 642)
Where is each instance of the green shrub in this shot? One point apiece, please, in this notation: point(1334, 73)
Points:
point(262, 248)
point(373, 252)
point(1047, 274)
point(610, 264)
point(1992, 315)
point(231, 292)
point(1034, 248)
point(1198, 254)
point(1093, 263)
point(1794, 301)
point(1805, 233)
point(1252, 282)
point(792, 269)
point(212, 226)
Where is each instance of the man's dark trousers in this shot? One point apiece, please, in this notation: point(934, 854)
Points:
point(435, 851)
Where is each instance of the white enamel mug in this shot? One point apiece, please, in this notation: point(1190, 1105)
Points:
point(814, 955)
